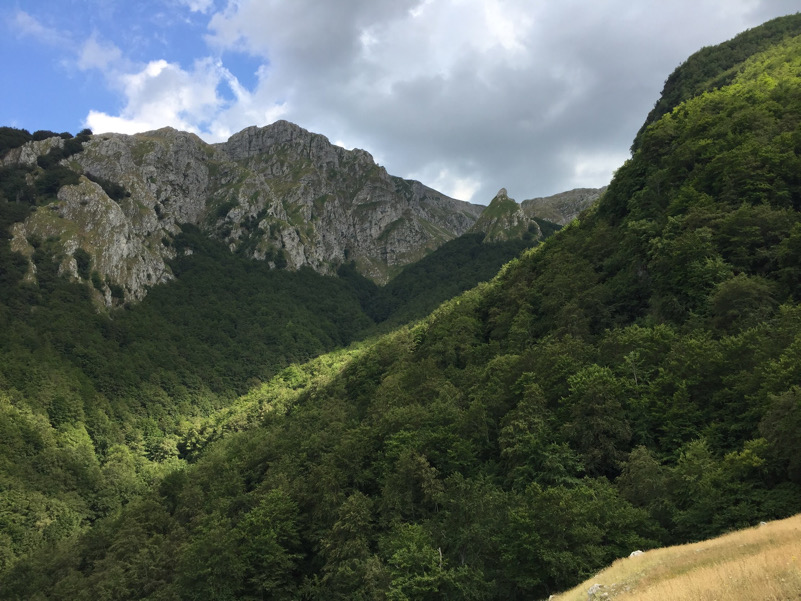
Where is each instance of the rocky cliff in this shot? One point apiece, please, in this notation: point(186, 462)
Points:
point(564, 207)
point(504, 219)
point(278, 193)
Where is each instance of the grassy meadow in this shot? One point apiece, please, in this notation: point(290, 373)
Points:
point(763, 562)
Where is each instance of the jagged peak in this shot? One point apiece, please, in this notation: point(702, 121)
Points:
point(255, 140)
point(502, 201)
point(168, 132)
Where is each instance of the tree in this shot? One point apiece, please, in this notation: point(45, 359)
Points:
point(528, 447)
point(781, 426)
point(347, 550)
point(266, 544)
point(596, 422)
point(741, 302)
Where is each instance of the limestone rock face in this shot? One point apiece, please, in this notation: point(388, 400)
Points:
point(119, 251)
point(278, 193)
point(504, 219)
point(564, 207)
point(27, 154)
point(321, 205)
point(166, 171)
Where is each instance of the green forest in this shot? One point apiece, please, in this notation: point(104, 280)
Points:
point(634, 381)
point(97, 406)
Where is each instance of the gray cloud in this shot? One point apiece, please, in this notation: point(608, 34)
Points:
point(471, 95)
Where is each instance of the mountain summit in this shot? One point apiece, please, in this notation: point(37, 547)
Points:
point(277, 193)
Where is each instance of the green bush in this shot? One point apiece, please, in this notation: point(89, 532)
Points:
point(84, 263)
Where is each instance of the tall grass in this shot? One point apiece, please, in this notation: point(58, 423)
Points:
point(759, 563)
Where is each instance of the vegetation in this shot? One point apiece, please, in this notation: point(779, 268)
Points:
point(97, 407)
point(35, 185)
point(113, 190)
point(421, 287)
point(11, 137)
point(713, 67)
point(758, 563)
point(631, 383)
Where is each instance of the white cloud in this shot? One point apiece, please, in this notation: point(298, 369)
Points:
point(98, 54)
point(593, 170)
point(198, 6)
point(26, 24)
point(463, 188)
point(451, 183)
point(162, 94)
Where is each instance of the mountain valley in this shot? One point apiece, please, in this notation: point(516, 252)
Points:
point(266, 369)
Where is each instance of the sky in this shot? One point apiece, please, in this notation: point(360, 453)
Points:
point(467, 96)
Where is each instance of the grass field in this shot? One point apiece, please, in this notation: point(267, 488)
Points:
point(761, 563)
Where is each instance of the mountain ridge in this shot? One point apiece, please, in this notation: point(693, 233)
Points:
point(278, 193)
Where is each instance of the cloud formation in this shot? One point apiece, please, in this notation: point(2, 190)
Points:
point(25, 24)
point(466, 95)
point(162, 94)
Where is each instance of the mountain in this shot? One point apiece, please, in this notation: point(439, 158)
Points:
point(94, 405)
point(278, 193)
point(628, 384)
point(504, 219)
point(564, 207)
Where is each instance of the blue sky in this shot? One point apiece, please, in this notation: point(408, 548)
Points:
point(467, 96)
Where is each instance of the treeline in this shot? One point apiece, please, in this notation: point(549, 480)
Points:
point(456, 266)
point(12, 137)
point(31, 185)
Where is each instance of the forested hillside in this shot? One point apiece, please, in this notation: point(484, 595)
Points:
point(716, 66)
point(94, 406)
point(630, 383)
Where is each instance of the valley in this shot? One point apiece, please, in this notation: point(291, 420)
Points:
point(217, 401)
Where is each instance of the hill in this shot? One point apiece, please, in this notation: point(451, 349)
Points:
point(631, 383)
point(758, 563)
point(715, 66)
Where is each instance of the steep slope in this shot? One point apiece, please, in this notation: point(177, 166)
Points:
point(355, 210)
point(453, 268)
point(279, 194)
point(713, 67)
point(632, 382)
point(504, 219)
point(534, 219)
point(95, 406)
point(758, 563)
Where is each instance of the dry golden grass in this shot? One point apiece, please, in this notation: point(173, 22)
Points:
point(759, 563)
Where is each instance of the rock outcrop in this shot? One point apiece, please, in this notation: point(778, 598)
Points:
point(564, 207)
point(504, 219)
point(27, 154)
point(278, 193)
